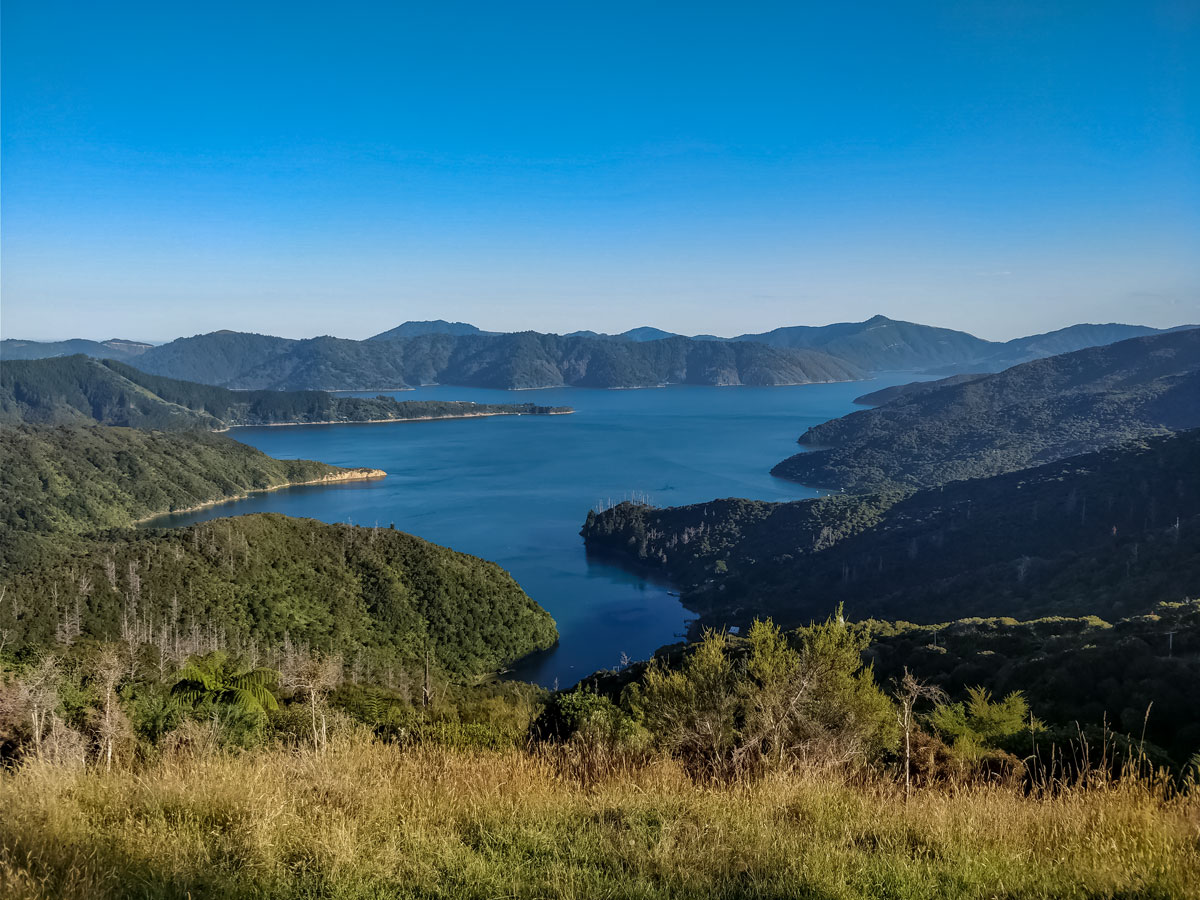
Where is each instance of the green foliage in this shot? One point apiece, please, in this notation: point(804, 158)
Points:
point(1110, 533)
point(722, 713)
point(1031, 414)
point(593, 722)
point(79, 480)
point(218, 679)
point(1071, 670)
point(980, 723)
point(692, 711)
point(264, 580)
point(152, 711)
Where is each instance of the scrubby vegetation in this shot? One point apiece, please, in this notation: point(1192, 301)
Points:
point(1030, 414)
point(1139, 676)
point(732, 774)
point(76, 390)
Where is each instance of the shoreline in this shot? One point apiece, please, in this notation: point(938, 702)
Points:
point(482, 415)
point(358, 474)
point(873, 376)
point(385, 421)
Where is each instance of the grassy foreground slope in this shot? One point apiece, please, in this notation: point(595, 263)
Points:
point(1030, 414)
point(369, 820)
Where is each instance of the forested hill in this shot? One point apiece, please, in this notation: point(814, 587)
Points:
point(913, 389)
point(1033, 413)
point(881, 344)
point(1110, 533)
point(379, 597)
point(79, 390)
point(83, 479)
point(1064, 340)
point(431, 326)
point(524, 360)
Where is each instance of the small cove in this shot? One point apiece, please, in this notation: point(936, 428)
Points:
point(516, 489)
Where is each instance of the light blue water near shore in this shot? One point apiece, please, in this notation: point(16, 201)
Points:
point(516, 489)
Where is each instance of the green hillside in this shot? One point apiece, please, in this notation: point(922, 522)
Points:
point(83, 479)
point(1110, 533)
point(1033, 413)
point(521, 360)
point(78, 390)
point(1073, 670)
point(881, 344)
point(270, 580)
point(913, 389)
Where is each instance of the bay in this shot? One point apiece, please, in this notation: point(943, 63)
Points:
point(516, 490)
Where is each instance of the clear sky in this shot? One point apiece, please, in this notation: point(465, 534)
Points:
point(336, 168)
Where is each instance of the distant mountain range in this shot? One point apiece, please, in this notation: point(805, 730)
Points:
point(441, 352)
point(114, 348)
point(878, 344)
point(524, 360)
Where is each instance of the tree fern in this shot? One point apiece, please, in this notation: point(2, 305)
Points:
point(218, 679)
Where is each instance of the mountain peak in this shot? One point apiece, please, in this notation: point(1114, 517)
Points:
point(427, 326)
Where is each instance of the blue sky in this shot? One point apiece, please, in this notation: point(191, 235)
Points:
point(310, 168)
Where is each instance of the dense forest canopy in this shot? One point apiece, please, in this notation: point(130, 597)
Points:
point(73, 567)
point(1108, 533)
point(75, 480)
point(1027, 415)
point(269, 580)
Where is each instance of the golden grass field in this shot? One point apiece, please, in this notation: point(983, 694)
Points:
point(368, 819)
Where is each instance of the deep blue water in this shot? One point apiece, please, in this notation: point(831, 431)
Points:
point(516, 489)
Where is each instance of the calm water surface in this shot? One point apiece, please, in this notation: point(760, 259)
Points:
point(516, 489)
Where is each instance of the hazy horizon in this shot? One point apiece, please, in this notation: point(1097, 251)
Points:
point(1001, 169)
point(297, 336)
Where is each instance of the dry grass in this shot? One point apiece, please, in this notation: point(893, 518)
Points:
point(369, 820)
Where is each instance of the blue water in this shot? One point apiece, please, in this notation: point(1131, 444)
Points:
point(516, 489)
